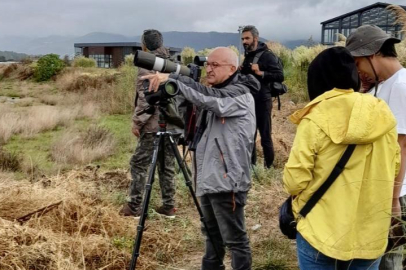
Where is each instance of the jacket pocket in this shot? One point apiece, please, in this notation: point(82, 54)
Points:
point(222, 157)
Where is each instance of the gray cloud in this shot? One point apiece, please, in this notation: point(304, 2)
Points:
point(276, 20)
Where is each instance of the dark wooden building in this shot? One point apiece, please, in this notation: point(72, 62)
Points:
point(375, 14)
point(111, 55)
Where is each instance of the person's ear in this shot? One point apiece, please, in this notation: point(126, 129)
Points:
point(233, 69)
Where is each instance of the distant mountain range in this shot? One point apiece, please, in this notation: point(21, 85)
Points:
point(63, 45)
point(6, 55)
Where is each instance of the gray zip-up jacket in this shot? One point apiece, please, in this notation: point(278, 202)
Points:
point(223, 154)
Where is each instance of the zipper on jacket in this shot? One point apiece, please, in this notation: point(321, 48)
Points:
point(222, 157)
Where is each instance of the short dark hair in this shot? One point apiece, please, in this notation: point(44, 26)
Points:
point(252, 29)
point(152, 39)
point(388, 49)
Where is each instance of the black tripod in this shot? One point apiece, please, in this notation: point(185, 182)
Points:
point(159, 145)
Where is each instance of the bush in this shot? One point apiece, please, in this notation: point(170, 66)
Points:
point(187, 55)
point(9, 161)
point(47, 67)
point(129, 60)
point(16, 71)
point(84, 62)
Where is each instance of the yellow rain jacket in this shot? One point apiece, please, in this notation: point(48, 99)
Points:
point(352, 219)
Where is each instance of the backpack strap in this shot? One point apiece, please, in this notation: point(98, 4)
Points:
point(330, 180)
point(257, 56)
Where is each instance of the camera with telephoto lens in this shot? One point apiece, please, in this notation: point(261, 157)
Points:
point(169, 89)
point(165, 91)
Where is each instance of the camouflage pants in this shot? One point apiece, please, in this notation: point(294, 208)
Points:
point(141, 161)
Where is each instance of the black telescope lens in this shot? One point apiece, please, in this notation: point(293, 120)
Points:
point(199, 60)
point(171, 89)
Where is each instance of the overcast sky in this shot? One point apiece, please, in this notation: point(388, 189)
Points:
point(278, 20)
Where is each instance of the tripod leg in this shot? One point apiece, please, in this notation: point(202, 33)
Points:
point(145, 203)
point(188, 181)
point(185, 153)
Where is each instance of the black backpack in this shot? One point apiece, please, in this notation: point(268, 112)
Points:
point(277, 88)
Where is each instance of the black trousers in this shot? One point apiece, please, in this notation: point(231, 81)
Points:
point(224, 214)
point(263, 110)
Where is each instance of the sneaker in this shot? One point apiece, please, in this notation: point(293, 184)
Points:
point(129, 211)
point(168, 212)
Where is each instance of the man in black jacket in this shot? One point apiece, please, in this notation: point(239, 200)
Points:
point(266, 70)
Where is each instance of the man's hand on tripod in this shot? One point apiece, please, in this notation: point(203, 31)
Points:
point(155, 80)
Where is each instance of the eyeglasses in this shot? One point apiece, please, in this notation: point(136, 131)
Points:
point(215, 65)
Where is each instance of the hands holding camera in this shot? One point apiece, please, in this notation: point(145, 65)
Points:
point(155, 80)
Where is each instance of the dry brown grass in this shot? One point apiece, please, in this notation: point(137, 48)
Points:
point(82, 148)
point(113, 93)
point(74, 80)
point(283, 131)
point(400, 14)
point(33, 120)
point(16, 71)
point(84, 232)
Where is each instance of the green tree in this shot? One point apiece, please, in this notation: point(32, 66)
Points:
point(49, 65)
point(2, 58)
point(187, 55)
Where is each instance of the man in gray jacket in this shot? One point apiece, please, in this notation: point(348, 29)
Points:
point(223, 152)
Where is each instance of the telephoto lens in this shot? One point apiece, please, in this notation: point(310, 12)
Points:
point(151, 62)
point(200, 60)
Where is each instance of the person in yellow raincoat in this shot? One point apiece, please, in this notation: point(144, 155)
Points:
point(348, 227)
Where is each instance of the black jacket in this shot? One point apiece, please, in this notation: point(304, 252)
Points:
point(268, 63)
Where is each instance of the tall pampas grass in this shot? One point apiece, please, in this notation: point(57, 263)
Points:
point(400, 15)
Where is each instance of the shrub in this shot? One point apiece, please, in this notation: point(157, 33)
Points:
point(281, 51)
point(9, 161)
point(84, 62)
point(67, 61)
point(129, 60)
point(401, 50)
point(187, 55)
point(47, 67)
point(17, 71)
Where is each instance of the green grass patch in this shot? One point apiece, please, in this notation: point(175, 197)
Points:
point(274, 254)
point(36, 150)
point(7, 88)
point(120, 126)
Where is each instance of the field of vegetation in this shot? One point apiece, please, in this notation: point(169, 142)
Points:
point(65, 145)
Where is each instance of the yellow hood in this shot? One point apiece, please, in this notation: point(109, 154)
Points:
point(348, 117)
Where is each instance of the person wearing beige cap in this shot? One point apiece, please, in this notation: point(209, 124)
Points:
point(376, 59)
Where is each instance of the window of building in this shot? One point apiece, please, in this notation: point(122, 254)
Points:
point(78, 51)
point(354, 21)
point(376, 16)
point(335, 24)
point(103, 60)
point(330, 35)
